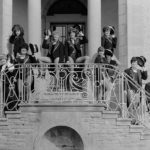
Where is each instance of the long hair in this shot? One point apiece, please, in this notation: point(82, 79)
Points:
point(17, 27)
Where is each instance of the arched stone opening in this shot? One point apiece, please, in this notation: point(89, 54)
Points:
point(60, 138)
point(67, 7)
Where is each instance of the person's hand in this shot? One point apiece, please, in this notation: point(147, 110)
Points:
point(46, 37)
point(113, 36)
point(17, 56)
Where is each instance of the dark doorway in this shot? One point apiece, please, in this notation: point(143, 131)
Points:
point(64, 138)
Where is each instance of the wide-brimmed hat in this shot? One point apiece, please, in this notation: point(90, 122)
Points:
point(141, 61)
point(105, 28)
point(108, 52)
point(33, 48)
point(71, 29)
point(112, 29)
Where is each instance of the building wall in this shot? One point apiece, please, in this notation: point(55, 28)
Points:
point(1, 24)
point(98, 129)
point(110, 16)
point(20, 15)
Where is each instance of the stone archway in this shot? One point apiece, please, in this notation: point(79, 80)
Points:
point(61, 138)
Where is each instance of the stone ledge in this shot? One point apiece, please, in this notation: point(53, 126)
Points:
point(62, 107)
point(123, 121)
point(110, 114)
point(136, 129)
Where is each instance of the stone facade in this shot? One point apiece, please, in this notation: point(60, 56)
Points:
point(98, 129)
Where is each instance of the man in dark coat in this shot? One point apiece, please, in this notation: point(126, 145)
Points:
point(56, 49)
point(133, 80)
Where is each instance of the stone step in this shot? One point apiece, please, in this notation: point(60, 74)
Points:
point(145, 136)
point(110, 114)
point(13, 114)
point(136, 128)
point(123, 121)
point(3, 122)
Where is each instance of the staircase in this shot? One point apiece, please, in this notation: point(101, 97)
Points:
point(98, 128)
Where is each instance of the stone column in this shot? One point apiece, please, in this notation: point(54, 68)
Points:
point(94, 26)
point(6, 25)
point(34, 22)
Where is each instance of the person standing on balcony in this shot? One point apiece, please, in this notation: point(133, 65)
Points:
point(109, 40)
point(133, 84)
point(110, 73)
point(16, 39)
point(25, 74)
point(100, 60)
point(80, 35)
point(73, 52)
point(55, 49)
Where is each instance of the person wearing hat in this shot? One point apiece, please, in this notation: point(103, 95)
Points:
point(109, 40)
point(100, 58)
point(16, 39)
point(110, 73)
point(73, 50)
point(80, 35)
point(133, 82)
point(9, 76)
point(25, 74)
point(55, 49)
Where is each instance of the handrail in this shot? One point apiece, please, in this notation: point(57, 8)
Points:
point(71, 84)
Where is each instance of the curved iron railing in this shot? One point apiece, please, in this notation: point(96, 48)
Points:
point(73, 84)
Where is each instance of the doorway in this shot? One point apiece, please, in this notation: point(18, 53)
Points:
point(64, 138)
point(63, 29)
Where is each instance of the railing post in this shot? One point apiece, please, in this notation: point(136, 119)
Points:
point(1, 96)
point(123, 97)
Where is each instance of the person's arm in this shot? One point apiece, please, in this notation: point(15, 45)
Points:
point(103, 41)
point(12, 38)
point(114, 41)
point(83, 40)
point(45, 44)
point(144, 75)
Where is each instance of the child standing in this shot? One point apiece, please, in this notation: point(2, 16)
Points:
point(16, 39)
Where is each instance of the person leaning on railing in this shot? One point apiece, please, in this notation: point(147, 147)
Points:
point(55, 50)
point(9, 83)
point(73, 52)
point(25, 75)
point(111, 67)
point(100, 59)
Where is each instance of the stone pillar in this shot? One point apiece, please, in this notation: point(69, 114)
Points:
point(34, 21)
point(6, 25)
point(134, 25)
point(94, 26)
point(122, 40)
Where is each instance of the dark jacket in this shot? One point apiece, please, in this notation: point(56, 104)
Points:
point(17, 41)
point(55, 51)
point(72, 50)
point(110, 43)
point(135, 80)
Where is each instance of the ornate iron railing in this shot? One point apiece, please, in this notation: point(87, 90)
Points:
point(72, 84)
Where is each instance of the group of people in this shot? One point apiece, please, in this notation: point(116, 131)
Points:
point(70, 52)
